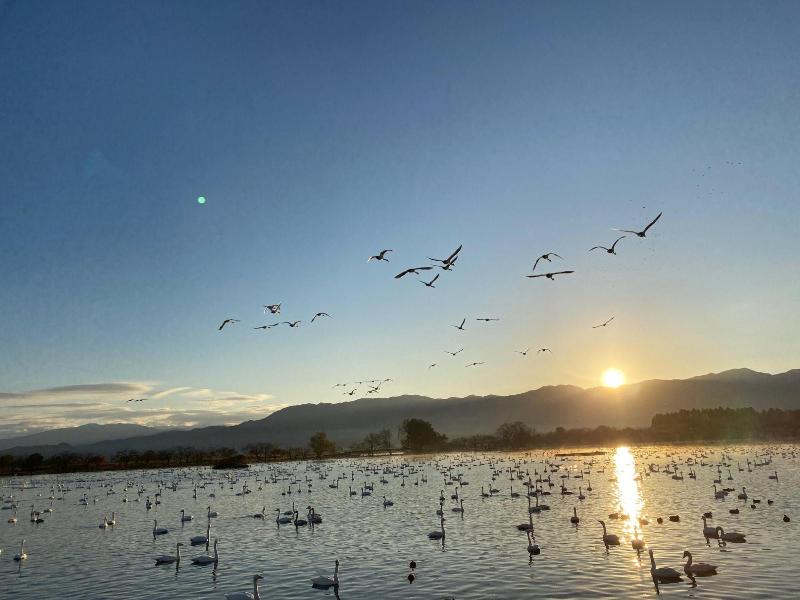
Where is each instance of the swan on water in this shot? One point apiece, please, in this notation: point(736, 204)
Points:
point(533, 547)
point(184, 517)
point(323, 581)
point(21, 556)
point(437, 535)
point(197, 540)
point(700, 569)
point(574, 519)
point(166, 559)
point(159, 530)
point(709, 532)
point(207, 559)
point(731, 536)
point(609, 539)
point(247, 595)
point(663, 574)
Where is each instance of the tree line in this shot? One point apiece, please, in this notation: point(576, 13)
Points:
point(418, 435)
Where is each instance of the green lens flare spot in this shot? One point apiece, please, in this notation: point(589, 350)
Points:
point(201, 199)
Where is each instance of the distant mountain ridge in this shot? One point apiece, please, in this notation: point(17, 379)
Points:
point(544, 409)
point(82, 434)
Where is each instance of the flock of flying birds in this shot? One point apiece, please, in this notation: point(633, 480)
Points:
point(448, 264)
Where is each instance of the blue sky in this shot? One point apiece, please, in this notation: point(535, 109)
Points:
point(323, 132)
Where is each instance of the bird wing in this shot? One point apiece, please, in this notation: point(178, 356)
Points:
point(554, 254)
point(597, 247)
point(435, 278)
point(614, 245)
point(406, 272)
point(534, 276)
point(464, 320)
point(625, 231)
point(653, 222)
point(562, 272)
point(223, 325)
point(536, 263)
point(453, 255)
point(609, 321)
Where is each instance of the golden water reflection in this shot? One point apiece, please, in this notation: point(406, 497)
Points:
point(629, 496)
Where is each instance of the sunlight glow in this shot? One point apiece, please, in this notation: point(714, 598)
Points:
point(628, 496)
point(613, 378)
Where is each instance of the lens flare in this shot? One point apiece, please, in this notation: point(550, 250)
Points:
point(613, 378)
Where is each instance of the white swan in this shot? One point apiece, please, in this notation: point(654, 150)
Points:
point(21, 556)
point(104, 524)
point(201, 539)
point(709, 532)
point(113, 519)
point(323, 581)
point(697, 568)
point(206, 559)
point(609, 539)
point(247, 595)
point(159, 530)
point(731, 536)
point(166, 559)
point(663, 574)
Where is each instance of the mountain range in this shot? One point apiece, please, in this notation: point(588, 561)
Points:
point(543, 409)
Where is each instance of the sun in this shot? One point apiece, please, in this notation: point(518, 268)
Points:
point(613, 378)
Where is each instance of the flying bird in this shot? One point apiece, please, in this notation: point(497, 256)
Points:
point(272, 308)
point(267, 326)
point(429, 283)
point(320, 314)
point(292, 323)
point(475, 364)
point(340, 385)
point(544, 350)
point(486, 320)
point(448, 266)
point(380, 256)
point(546, 257)
point(461, 327)
point(227, 322)
point(450, 259)
point(609, 250)
point(433, 365)
point(414, 270)
point(642, 233)
point(603, 324)
point(351, 392)
point(550, 276)
point(523, 352)
point(454, 353)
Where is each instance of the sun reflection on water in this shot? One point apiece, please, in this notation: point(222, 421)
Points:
point(628, 493)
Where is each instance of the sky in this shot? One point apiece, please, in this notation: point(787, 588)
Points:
point(320, 133)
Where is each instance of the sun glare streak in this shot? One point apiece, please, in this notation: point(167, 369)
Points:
point(628, 495)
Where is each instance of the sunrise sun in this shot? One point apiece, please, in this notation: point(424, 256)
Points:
point(613, 378)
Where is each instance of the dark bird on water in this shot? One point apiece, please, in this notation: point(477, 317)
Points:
point(461, 327)
point(450, 259)
point(603, 324)
point(380, 256)
point(414, 270)
point(642, 233)
point(546, 257)
point(611, 250)
point(430, 283)
point(550, 276)
point(320, 314)
point(227, 322)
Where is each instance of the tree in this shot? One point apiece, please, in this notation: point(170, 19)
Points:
point(385, 440)
point(514, 435)
point(321, 445)
point(420, 436)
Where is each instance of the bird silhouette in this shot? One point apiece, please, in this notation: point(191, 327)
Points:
point(414, 270)
point(450, 259)
point(461, 327)
point(272, 308)
point(550, 276)
point(380, 256)
point(292, 323)
point(319, 314)
point(642, 233)
point(454, 353)
point(611, 250)
point(603, 324)
point(475, 364)
point(227, 322)
point(546, 257)
point(430, 283)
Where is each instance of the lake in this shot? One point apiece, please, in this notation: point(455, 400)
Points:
point(483, 554)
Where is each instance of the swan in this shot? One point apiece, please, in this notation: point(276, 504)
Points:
point(387, 502)
point(206, 559)
point(323, 581)
point(201, 539)
point(743, 495)
point(637, 543)
point(313, 517)
point(212, 514)
point(459, 509)
point(533, 548)
point(697, 568)
point(247, 595)
point(21, 556)
point(574, 518)
point(184, 517)
point(719, 494)
point(282, 520)
point(731, 536)
point(113, 519)
point(709, 532)
point(166, 559)
point(159, 530)
point(663, 574)
point(104, 524)
point(299, 522)
point(261, 514)
point(437, 535)
point(609, 539)
point(580, 494)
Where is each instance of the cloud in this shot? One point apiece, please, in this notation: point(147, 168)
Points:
point(178, 406)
